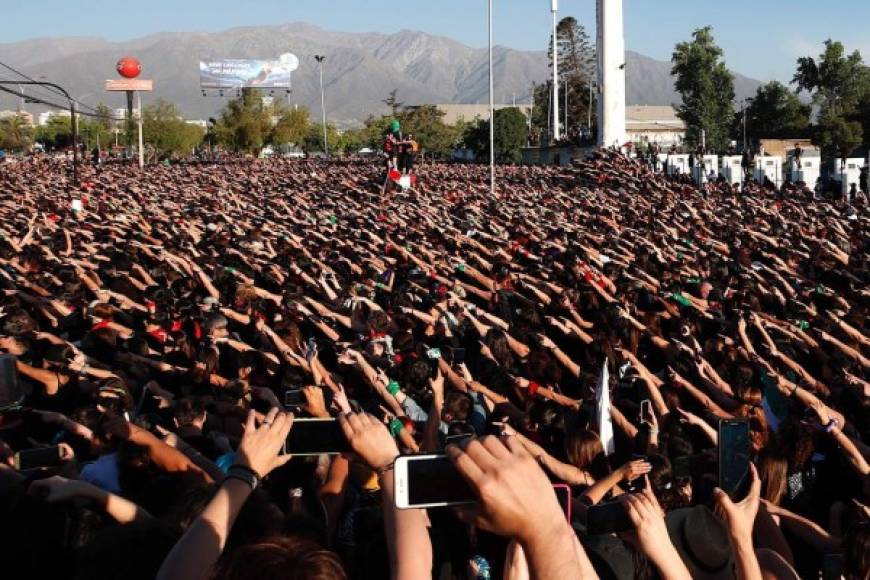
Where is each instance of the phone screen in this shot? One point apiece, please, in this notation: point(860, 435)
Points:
point(36, 458)
point(293, 399)
point(315, 437)
point(10, 389)
point(608, 518)
point(645, 411)
point(734, 451)
point(433, 480)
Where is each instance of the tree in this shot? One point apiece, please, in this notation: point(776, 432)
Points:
point(393, 102)
point(313, 141)
point(104, 117)
point(576, 69)
point(245, 123)
point(775, 112)
point(56, 133)
point(426, 123)
point(707, 89)
point(840, 86)
point(16, 134)
point(292, 127)
point(510, 136)
point(167, 132)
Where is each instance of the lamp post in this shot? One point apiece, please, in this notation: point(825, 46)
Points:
point(320, 58)
point(554, 7)
point(73, 123)
point(491, 113)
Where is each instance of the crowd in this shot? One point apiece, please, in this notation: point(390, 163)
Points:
point(158, 319)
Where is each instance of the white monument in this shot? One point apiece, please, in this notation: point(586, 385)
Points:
point(554, 8)
point(611, 74)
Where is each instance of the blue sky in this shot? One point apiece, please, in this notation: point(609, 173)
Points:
point(761, 38)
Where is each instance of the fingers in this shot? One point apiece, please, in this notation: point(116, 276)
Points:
point(465, 465)
point(270, 416)
point(250, 423)
point(496, 447)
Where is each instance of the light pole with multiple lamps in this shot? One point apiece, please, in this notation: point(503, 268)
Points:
point(320, 58)
point(491, 113)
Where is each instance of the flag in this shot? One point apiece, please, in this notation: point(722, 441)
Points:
point(602, 411)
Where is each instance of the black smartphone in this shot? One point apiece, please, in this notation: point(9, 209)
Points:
point(37, 458)
point(608, 518)
point(454, 356)
point(316, 437)
point(11, 394)
point(458, 440)
point(734, 453)
point(293, 399)
point(423, 481)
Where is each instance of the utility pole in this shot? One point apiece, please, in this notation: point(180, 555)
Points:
point(554, 7)
point(320, 58)
point(491, 113)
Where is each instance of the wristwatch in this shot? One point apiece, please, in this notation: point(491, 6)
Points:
point(244, 474)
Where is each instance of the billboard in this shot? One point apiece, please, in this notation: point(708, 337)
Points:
point(129, 85)
point(246, 73)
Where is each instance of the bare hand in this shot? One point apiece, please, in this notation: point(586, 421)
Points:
point(260, 446)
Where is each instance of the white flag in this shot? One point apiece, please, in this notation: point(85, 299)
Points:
point(602, 411)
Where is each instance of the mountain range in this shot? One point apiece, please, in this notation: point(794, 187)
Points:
point(360, 69)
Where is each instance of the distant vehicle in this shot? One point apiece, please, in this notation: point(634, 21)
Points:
point(367, 152)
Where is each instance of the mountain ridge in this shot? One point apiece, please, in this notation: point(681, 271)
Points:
point(361, 68)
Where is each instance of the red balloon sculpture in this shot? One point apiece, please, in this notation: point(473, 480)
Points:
point(129, 67)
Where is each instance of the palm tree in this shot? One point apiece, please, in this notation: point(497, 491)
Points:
point(16, 134)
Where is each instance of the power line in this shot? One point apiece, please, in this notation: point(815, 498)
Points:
point(56, 106)
point(51, 89)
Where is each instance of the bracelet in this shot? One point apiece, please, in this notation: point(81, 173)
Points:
point(832, 425)
point(381, 471)
point(244, 474)
point(533, 388)
point(393, 387)
point(396, 427)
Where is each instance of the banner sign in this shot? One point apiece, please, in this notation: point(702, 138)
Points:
point(244, 73)
point(129, 85)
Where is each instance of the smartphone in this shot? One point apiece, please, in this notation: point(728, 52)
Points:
point(316, 437)
point(608, 518)
point(424, 481)
point(563, 494)
point(734, 452)
point(11, 394)
point(645, 411)
point(458, 440)
point(455, 356)
point(37, 458)
point(293, 399)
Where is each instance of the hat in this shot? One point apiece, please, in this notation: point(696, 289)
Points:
point(702, 541)
point(610, 556)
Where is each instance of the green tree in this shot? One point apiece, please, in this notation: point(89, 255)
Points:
point(576, 68)
point(393, 102)
point(56, 133)
point(313, 141)
point(245, 123)
point(434, 136)
point(16, 134)
point(510, 136)
point(840, 86)
point(775, 112)
point(104, 117)
point(292, 126)
point(707, 88)
point(167, 132)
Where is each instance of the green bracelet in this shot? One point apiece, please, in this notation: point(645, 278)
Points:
point(396, 427)
point(393, 387)
point(460, 267)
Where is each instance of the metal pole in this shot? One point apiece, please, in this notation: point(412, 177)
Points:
point(589, 109)
point(566, 106)
point(491, 113)
point(531, 112)
point(74, 123)
point(320, 59)
point(556, 134)
point(141, 146)
point(744, 125)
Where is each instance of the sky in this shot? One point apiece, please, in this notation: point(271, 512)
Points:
point(761, 38)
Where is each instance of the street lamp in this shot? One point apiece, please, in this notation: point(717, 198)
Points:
point(491, 114)
point(554, 7)
point(320, 58)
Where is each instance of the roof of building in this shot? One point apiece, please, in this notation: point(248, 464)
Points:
point(453, 112)
point(652, 118)
point(782, 147)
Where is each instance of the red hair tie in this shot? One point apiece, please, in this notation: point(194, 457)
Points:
point(104, 323)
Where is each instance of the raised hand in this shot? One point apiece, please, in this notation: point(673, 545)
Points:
point(370, 439)
point(260, 448)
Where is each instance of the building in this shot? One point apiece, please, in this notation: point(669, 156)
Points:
point(28, 117)
point(47, 116)
point(654, 124)
point(455, 112)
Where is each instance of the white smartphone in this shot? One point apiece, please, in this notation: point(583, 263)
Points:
point(424, 481)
